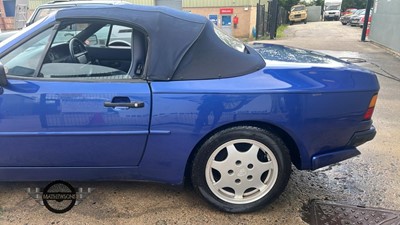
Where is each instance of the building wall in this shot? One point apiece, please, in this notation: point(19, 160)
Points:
point(385, 26)
point(246, 15)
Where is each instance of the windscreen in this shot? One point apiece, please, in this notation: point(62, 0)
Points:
point(333, 7)
point(298, 8)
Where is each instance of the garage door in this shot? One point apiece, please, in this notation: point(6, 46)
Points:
point(176, 4)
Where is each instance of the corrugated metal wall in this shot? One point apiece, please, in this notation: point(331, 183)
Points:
point(33, 4)
point(175, 4)
point(221, 3)
point(385, 26)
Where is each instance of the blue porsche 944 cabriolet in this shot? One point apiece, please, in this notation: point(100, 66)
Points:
point(126, 92)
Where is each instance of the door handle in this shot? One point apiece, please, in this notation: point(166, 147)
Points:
point(124, 104)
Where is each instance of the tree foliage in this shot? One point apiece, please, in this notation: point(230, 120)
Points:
point(287, 4)
point(313, 2)
point(319, 2)
point(358, 4)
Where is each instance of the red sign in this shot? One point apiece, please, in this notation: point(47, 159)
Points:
point(226, 11)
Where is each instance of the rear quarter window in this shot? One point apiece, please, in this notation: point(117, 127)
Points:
point(229, 40)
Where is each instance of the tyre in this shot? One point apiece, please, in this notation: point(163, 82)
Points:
point(305, 21)
point(344, 23)
point(241, 169)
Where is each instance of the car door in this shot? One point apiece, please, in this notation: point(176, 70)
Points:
point(59, 113)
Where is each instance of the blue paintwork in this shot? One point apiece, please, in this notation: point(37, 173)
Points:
point(61, 130)
point(65, 124)
point(308, 108)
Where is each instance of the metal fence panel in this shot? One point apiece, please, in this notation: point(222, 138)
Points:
point(313, 13)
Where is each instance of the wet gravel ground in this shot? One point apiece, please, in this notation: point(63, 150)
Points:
point(371, 179)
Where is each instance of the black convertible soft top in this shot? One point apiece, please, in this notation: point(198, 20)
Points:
point(182, 46)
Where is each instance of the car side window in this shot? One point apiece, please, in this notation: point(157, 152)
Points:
point(111, 36)
point(81, 50)
point(99, 39)
point(24, 60)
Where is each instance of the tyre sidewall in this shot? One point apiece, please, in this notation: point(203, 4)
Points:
point(263, 136)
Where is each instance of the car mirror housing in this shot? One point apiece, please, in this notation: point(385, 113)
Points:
point(3, 77)
point(93, 40)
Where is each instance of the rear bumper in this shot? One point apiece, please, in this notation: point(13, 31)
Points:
point(358, 138)
point(354, 22)
point(361, 137)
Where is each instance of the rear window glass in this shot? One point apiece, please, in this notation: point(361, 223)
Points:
point(229, 40)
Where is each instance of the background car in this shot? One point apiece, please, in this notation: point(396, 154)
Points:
point(182, 100)
point(348, 11)
point(298, 13)
point(332, 12)
point(355, 19)
point(346, 18)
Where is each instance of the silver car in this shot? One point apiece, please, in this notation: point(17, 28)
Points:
point(346, 19)
point(355, 19)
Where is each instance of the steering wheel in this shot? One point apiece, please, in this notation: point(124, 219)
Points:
point(78, 51)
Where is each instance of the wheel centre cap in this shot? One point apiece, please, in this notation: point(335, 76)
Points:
point(242, 172)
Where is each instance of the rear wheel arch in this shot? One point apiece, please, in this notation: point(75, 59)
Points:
point(286, 138)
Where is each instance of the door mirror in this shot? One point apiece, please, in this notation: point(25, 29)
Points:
point(3, 77)
point(92, 40)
